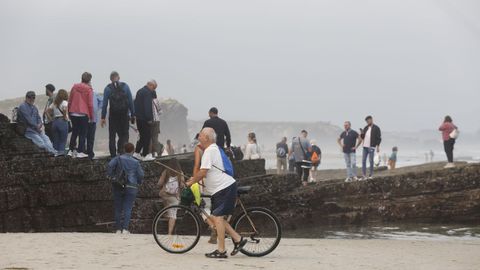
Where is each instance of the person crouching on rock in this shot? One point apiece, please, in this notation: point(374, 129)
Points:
point(127, 175)
point(223, 189)
point(171, 182)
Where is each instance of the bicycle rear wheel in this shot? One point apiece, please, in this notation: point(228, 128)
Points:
point(176, 229)
point(262, 230)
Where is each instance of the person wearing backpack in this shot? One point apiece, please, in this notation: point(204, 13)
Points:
point(217, 170)
point(117, 97)
point(282, 152)
point(316, 160)
point(29, 118)
point(126, 174)
point(301, 151)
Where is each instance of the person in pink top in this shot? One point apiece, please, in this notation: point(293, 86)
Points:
point(80, 108)
point(448, 139)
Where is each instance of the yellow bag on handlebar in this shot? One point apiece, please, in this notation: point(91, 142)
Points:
point(196, 193)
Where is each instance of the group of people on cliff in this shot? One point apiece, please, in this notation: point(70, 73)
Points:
point(78, 112)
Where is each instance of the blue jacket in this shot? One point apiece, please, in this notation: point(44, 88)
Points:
point(106, 97)
point(131, 166)
point(28, 115)
point(144, 104)
point(97, 104)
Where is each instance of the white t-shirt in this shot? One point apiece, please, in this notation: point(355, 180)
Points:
point(368, 136)
point(56, 112)
point(252, 151)
point(216, 180)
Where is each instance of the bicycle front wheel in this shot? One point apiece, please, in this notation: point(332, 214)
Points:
point(176, 229)
point(262, 230)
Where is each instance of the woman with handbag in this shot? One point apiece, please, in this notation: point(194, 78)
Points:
point(449, 135)
point(171, 183)
point(60, 124)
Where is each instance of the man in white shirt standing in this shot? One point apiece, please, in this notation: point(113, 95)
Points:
point(223, 188)
point(372, 137)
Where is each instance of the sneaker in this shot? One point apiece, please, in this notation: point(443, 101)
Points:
point(137, 156)
point(217, 255)
point(239, 246)
point(449, 165)
point(148, 157)
point(355, 178)
point(154, 154)
point(363, 178)
point(72, 154)
point(348, 180)
point(125, 232)
point(118, 232)
point(370, 177)
point(81, 155)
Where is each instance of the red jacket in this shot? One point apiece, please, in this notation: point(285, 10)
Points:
point(447, 128)
point(81, 100)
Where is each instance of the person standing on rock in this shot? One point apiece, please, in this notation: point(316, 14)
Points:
point(300, 150)
point(449, 136)
point(372, 137)
point(29, 117)
point(144, 116)
point(124, 197)
point(92, 125)
point(221, 128)
point(316, 160)
point(59, 110)
point(282, 152)
point(349, 141)
point(118, 95)
point(156, 148)
point(252, 150)
point(223, 188)
point(47, 115)
point(80, 108)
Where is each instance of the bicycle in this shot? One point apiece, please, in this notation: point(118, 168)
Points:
point(177, 228)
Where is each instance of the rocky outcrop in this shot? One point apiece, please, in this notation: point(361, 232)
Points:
point(42, 193)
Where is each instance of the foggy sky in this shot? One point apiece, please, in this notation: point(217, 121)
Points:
point(406, 62)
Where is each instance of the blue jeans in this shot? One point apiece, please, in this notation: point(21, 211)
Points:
point(79, 130)
point(123, 201)
point(370, 153)
point(60, 134)
point(351, 162)
point(41, 140)
point(92, 128)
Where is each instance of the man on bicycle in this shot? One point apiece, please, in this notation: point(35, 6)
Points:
point(223, 188)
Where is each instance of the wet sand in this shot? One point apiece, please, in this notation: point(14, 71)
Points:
point(110, 251)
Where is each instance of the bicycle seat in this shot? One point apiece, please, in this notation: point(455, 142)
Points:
point(243, 190)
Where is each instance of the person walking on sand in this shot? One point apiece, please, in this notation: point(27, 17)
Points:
point(124, 197)
point(252, 150)
point(144, 117)
point(80, 108)
point(170, 150)
point(301, 150)
point(171, 183)
point(449, 136)
point(223, 188)
point(349, 141)
point(372, 137)
point(282, 152)
point(117, 97)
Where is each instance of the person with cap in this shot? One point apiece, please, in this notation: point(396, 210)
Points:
point(372, 137)
point(144, 117)
point(118, 98)
point(47, 116)
point(221, 128)
point(80, 108)
point(29, 117)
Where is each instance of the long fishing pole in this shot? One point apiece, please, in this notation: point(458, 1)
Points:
point(175, 171)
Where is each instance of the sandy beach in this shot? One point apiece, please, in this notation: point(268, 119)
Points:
point(110, 251)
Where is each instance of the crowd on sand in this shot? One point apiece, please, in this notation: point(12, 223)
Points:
point(78, 111)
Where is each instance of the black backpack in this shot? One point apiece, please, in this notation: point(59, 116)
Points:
point(118, 99)
point(121, 179)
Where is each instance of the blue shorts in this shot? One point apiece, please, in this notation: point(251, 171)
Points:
point(223, 202)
